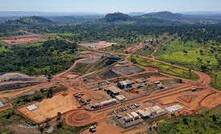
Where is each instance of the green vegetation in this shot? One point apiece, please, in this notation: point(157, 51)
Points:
point(7, 118)
point(165, 68)
point(38, 95)
point(49, 58)
point(81, 68)
point(2, 48)
point(203, 57)
point(70, 130)
point(216, 81)
point(208, 122)
point(189, 53)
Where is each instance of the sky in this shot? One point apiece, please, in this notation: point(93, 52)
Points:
point(105, 6)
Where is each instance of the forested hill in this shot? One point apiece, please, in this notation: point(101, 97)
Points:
point(29, 24)
point(34, 20)
point(117, 17)
point(48, 58)
point(163, 18)
point(164, 15)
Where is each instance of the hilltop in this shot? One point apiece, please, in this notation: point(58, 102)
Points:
point(116, 17)
point(34, 20)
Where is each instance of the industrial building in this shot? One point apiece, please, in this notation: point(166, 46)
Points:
point(102, 104)
point(127, 84)
point(113, 91)
point(151, 112)
point(120, 98)
point(136, 117)
point(130, 119)
point(174, 108)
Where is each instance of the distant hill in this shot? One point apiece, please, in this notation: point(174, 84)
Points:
point(164, 15)
point(117, 17)
point(43, 14)
point(186, 18)
point(34, 20)
point(158, 18)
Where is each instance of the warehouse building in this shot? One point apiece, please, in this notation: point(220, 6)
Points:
point(127, 84)
point(102, 104)
point(174, 108)
point(113, 91)
point(130, 119)
point(151, 112)
point(120, 98)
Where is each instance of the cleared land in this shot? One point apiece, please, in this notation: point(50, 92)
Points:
point(98, 45)
point(24, 39)
point(49, 108)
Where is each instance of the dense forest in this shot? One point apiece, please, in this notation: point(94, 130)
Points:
point(48, 58)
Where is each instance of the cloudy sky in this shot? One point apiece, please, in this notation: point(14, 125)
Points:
point(104, 6)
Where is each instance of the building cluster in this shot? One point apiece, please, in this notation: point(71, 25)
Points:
point(103, 104)
point(133, 118)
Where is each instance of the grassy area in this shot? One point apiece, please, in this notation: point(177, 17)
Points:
point(203, 57)
point(81, 68)
point(165, 68)
point(208, 122)
point(216, 82)
point(144, 52)
point(190, 54)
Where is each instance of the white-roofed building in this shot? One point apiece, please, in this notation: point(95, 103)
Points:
point(158, 109)
point(32, 107)
point(174, 108)
point(120, 97)
point(135, 115)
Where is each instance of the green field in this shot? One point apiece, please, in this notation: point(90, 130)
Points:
point(203, 57)
point(190, 54)
point(207, 122)
point(165, 68)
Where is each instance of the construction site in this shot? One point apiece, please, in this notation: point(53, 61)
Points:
point(118, 94)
